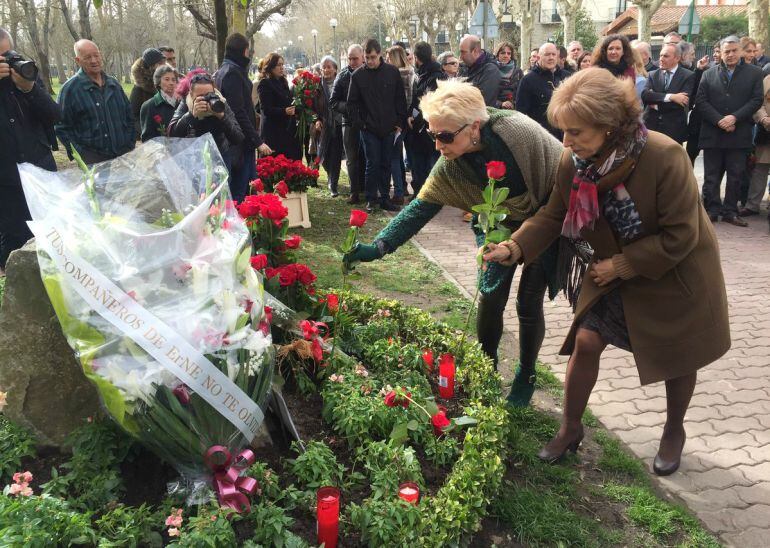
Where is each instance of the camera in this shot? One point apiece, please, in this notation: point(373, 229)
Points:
point(215, 102)
point(25, 69)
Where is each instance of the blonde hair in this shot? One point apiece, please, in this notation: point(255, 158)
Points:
point(396, 56)
point(639, 64)
point(595, 97)
point(456, 101)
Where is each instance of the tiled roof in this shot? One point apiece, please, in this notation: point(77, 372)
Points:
point(665, 19)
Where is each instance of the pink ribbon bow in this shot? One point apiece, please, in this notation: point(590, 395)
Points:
point(232, 489)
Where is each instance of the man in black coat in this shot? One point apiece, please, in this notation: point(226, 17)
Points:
point(423, 151)
point(377, 106)
point(27, 116)
point(481, 68)
point(728, 95)
point(232, 80)
point(666, 95)
point(537, 86)
point(351, 138)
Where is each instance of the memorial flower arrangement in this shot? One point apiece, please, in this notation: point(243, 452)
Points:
point(296, 176)
point(160, 303)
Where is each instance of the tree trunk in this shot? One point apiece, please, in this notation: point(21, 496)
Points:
point(65, 12)
point(568, 13)
point(171, 25)
point(239, 17)
point(758, 10)
point(83, 20)
point(644, 21)
point(30, 13)
point(60, 68)
point(14, 18)
point(220, 21)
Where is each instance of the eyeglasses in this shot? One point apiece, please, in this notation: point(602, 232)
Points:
point(446, 137)
point(201, 78)
point(450, 63)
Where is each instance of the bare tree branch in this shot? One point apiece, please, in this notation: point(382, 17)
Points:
point(264, 15)
point(65, 11)
point(208, 30)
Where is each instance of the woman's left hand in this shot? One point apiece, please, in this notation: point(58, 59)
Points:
point(603, 272)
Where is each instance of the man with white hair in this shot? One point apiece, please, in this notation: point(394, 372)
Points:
point(96, 114)
point(351, 141)
point(667, 94)
point(537, 86)
point(644, 50)
point(575, 50)
point(481, 69)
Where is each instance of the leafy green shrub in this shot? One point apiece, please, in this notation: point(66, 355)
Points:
point(441, 451)
point(317, 466)
point(209, 529)
point(387, 522)
point(15, 444)
point(43, 521)
point(92, 479)
point(128, 527)
point(387, 467)
point(272, 527)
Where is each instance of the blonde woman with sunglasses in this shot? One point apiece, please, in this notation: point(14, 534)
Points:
point(468, 135)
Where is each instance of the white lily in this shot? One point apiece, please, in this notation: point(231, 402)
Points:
point(230, 310)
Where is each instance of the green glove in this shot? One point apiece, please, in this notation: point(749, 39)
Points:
point(363, 253)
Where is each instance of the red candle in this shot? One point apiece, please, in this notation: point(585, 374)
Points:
point(409, 491)
point(446, 376)
point(328, 513)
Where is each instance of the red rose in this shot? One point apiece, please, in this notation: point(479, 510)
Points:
point(427, 357)
point(495, 170)
point(268, 314)
point(358, 217)
point(258, 262)
point(293, 241)
point(390, 399)
point(440, 422)
point(304, 274)
point(308, 93)
point(182, 394)
point(309, 329)
point(158, 118)
point(282, 189)
point(248, 209)
point(287, 275)
point(308, 103)
point(272, 272)
point(257, 185)
point(332, 302)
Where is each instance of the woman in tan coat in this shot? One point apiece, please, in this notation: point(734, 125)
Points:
point(758, 184)
point(655, 284)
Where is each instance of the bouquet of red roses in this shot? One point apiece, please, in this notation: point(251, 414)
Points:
point(306, 88)
point(297, 177)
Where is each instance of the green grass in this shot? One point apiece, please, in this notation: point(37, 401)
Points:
point(57, 87)
point(2, 289)
point(615, 460)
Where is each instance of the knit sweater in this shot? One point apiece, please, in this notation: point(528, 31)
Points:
point(531, 156)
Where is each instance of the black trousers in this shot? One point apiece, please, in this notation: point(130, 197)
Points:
point(354, 159)
point(717, 162)
point(14, 214)
point(529, 308)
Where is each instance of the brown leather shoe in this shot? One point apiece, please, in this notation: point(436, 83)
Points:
point(555, 450)
point(747, 212)
point(735, 221)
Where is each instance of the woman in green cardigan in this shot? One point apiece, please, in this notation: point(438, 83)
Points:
point(468, 135)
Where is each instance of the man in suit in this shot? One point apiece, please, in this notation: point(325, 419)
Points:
point(666, 95)
point(728, 95)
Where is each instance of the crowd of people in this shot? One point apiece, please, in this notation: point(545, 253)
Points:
point(621, 178)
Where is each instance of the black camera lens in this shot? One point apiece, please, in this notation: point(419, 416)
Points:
point(26, 69)
point(215, 103)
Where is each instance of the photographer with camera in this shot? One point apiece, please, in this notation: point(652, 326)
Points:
point(96, 116)
point(204, 110)
point(27, 116)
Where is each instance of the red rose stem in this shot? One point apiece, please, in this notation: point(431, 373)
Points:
point(446, 376)
point(328, 513)
point(410, 492)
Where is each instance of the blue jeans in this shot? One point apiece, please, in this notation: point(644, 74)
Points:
point(243, 174)
point(396, 166)
point(378, 152)
point(422, 163)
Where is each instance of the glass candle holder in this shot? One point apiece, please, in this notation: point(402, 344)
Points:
point(446, 376)
point(410, 492)
point(328, 515)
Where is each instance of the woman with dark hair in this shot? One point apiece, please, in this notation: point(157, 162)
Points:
point(585, 61)
point(279, 125)
point(396, 56)
point(617, 56)
point(204, 110)
point(654, 286)
point(510, 74)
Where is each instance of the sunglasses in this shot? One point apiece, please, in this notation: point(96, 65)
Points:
point(201, 78)
point(446, 137)
point(450, 63)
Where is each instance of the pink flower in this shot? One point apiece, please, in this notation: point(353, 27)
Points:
point(173, 532)
point(22, 477)
point(174, 520)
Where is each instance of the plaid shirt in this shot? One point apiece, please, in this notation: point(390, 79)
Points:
point(95, 118)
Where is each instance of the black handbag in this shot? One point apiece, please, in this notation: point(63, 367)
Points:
point(762, 136)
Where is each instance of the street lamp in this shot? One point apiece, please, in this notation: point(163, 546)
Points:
point(387, 40)
point(379, 24)
point(333, 25)
point(314, 32)
point(302, 56)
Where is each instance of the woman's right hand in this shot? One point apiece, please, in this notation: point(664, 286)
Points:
point(498, 253)
point(507, 105)
point(200, 107)
point(290, 110)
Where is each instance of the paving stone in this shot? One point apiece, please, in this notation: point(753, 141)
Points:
point(732, 441)
point(726, 458)
point(757, 473)
point(713, 500)
point(751, 516)
point(754, 537)
point(759, 493)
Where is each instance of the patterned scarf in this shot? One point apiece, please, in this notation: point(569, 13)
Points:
point(608, 172)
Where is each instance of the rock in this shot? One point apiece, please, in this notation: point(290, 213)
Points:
point(47, 391)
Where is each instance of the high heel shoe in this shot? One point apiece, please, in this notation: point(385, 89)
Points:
point(666, 468)
point(551, 456)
